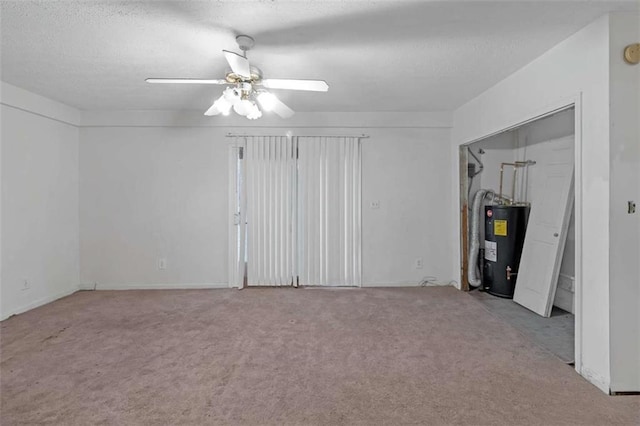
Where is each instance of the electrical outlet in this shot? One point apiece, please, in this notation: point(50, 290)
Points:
point(26, 285)
point(631, 207)
point(375, 204)
point(162, 263)
point(419, 263)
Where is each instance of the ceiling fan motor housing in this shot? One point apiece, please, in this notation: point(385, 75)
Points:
point(245, 90)
point(233, 78)
point(245, 42)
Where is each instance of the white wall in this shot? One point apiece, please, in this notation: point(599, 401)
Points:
point(624, 290)
point(1, 204)
point(154, 184)
point(148, 193)
point(576, 69)
point(498, 149)
point(39, 218)
point(403, 169)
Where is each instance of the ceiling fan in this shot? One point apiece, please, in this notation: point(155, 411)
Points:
point(247, 87)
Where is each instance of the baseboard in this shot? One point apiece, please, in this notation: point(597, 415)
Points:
point(408, 284)
point(37, 303)
point(566, 282)
point(595, 379)
point(564, 298)
point(625, 388)
point(152, 286)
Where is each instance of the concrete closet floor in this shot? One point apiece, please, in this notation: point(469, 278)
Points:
point(286, 356)
point(556, 333)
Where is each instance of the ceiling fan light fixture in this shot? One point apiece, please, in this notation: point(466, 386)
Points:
point(230, 95)
point(244, 97)
point(247, 108)
point(256, 113)
point(267, 100)
point(223, 105)
point(242, 107)
point(213, 110)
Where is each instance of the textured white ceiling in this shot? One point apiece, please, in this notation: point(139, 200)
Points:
point(375, 55)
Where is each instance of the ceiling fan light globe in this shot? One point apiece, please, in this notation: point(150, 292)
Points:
point(244, 107)
point(254, 114)
point(255, 111)
point(230, 95)
point(239, 108)
point(223, 105)
point(225, 108)
point(267, 101)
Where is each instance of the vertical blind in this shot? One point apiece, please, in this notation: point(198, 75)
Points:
point(302, 214)
point(270, 170)
point(329, 211)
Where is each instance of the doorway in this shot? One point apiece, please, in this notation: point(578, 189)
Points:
point(296, 208)
point(537, 147)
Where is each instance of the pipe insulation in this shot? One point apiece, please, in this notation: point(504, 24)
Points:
point(474, 245)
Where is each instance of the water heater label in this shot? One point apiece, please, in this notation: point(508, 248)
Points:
point(500, 228)
point(491, 251)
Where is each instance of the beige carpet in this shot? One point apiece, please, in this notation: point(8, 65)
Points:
point(286, 356)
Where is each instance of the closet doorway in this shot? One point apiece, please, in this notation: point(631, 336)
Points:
point(530, 166)
point(295, 204)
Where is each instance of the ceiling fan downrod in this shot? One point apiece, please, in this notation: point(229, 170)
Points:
point(245, 43)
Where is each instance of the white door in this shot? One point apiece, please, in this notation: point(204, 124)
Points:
point(551, 201)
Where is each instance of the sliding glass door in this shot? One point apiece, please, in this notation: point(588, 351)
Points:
point(298, 209)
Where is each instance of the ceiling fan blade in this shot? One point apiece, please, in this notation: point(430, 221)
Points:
point(282, 109)
point(270, 102)
point(311, 85)
point(213, 110)
point(186, 81)
point(238, 63)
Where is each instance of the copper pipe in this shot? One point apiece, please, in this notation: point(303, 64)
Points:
point(513, 183)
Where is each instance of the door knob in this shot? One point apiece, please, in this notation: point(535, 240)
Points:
point(555, 234)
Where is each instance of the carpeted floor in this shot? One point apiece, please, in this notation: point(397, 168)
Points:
point(286, 356)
